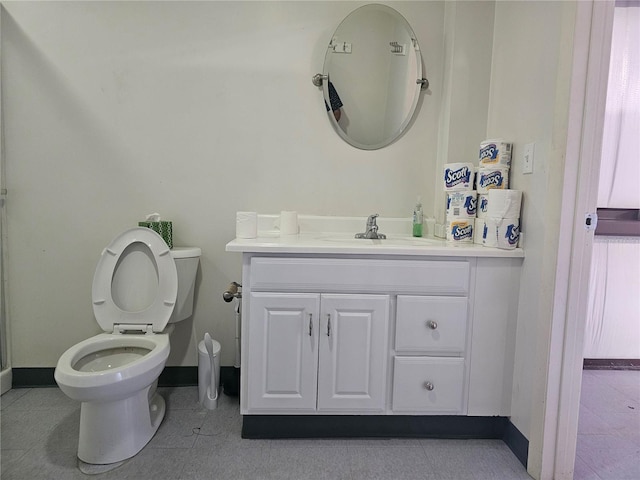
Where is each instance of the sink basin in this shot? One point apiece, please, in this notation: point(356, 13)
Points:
point(391, 240)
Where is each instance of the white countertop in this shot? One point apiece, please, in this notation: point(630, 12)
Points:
point(335, 236)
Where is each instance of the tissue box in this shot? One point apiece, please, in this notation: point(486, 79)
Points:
point(162, 228)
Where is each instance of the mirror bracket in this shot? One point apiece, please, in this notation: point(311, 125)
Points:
point(318, 78)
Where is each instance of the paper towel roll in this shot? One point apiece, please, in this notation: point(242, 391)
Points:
point(246, 224)
point(288, 223)
point(478, 230)
point(493, 178)
point(460, 230)
point(462, 204)
point(494, 153)
point(458, 176)
point(483, 205)
point(504, 203)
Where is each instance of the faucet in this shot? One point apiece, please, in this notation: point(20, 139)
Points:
point(372, 229)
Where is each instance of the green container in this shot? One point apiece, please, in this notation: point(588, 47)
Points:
point(162, 228)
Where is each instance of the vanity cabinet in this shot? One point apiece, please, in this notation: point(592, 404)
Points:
point(319, 352)
point(344, 337)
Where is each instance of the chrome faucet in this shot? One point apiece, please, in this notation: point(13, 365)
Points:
point(372, 229)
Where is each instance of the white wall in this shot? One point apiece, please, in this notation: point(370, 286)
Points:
point(113, 110)
point(529, 102)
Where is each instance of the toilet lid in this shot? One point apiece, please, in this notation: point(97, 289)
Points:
point(135, 282)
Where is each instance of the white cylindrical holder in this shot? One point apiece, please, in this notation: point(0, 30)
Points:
point(207, 395)
point(246, 224)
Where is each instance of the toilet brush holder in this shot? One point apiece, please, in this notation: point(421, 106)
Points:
point(208, 372)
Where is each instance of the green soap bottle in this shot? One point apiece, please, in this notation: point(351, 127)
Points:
point(417, 219)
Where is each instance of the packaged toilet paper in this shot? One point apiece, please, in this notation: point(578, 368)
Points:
point(495, 153)
point(460, 230)
point(502, 233)
point(462, 204)
point(483, 205)
point(478, 230)
point(490, 178)
point(458, 176)
point(504, 203)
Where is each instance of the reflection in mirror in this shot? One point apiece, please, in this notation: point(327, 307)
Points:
point(372, 67)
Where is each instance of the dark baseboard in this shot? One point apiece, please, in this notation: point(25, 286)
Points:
point(43, 377)
point(32, 377)
point(397, 426)
point(611, 364)
point(517, 442)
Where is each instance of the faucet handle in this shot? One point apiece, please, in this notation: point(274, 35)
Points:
point(371, 221)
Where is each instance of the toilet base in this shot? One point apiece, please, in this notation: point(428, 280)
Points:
point(92, 469)
point(114, 431)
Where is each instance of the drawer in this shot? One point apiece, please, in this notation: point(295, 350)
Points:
point(431, 324)
point(428, 385)
point(354, 275)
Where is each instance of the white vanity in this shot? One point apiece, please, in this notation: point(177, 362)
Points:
point(401, 327)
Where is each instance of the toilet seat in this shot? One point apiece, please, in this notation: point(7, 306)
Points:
point(153, 318)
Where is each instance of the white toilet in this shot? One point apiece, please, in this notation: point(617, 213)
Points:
point(139, 286)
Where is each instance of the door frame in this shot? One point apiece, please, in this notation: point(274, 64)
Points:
point(590, 72)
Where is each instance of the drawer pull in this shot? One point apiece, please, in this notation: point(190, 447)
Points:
point(428, 385)
point(432, 324)
point(328, 325)
point(310, 325)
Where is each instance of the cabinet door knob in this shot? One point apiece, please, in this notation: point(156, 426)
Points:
point(432, 324)
point(310, 325)
point(328, 325)
point(428, 385)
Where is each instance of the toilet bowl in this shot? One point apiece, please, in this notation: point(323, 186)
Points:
point(114, 374)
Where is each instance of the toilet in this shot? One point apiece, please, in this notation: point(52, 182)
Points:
point(140, 287)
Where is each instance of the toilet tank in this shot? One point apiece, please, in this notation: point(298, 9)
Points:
point(187, 259)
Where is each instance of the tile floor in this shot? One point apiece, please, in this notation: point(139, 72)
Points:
point(39, 439)
point(608, 445)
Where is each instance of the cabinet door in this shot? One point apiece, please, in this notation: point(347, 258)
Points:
point(352, 368)
point(283, 351)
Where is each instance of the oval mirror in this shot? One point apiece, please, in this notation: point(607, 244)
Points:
point(371, 77)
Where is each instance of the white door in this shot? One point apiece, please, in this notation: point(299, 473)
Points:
point(352, 369)
point(283, 351)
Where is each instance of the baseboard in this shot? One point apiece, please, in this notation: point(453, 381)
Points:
point(611, 364)
point(33, 377)
point(388, 426)
point(517, 442)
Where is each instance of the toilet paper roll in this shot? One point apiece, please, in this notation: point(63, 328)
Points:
point(246, 224)
point(478, 230)
point(288, 223)
point(490, 232)
point(458, 176)
point(460, 230)
point(483, 205)
point(495, 153)
point(504, 203)
point(502, 233)
point(493, 178)
point(462, 204)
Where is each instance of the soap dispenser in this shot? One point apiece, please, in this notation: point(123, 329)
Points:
point(417, 219)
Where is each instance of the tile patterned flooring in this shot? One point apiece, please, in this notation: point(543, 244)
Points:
point(608, 445)
point(39, 439)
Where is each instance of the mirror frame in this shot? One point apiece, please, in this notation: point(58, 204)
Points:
point(414, 50)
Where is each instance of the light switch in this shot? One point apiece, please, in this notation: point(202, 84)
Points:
point(527, 157)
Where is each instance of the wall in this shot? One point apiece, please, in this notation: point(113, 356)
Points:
point(529, 102)
point(113, 110)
